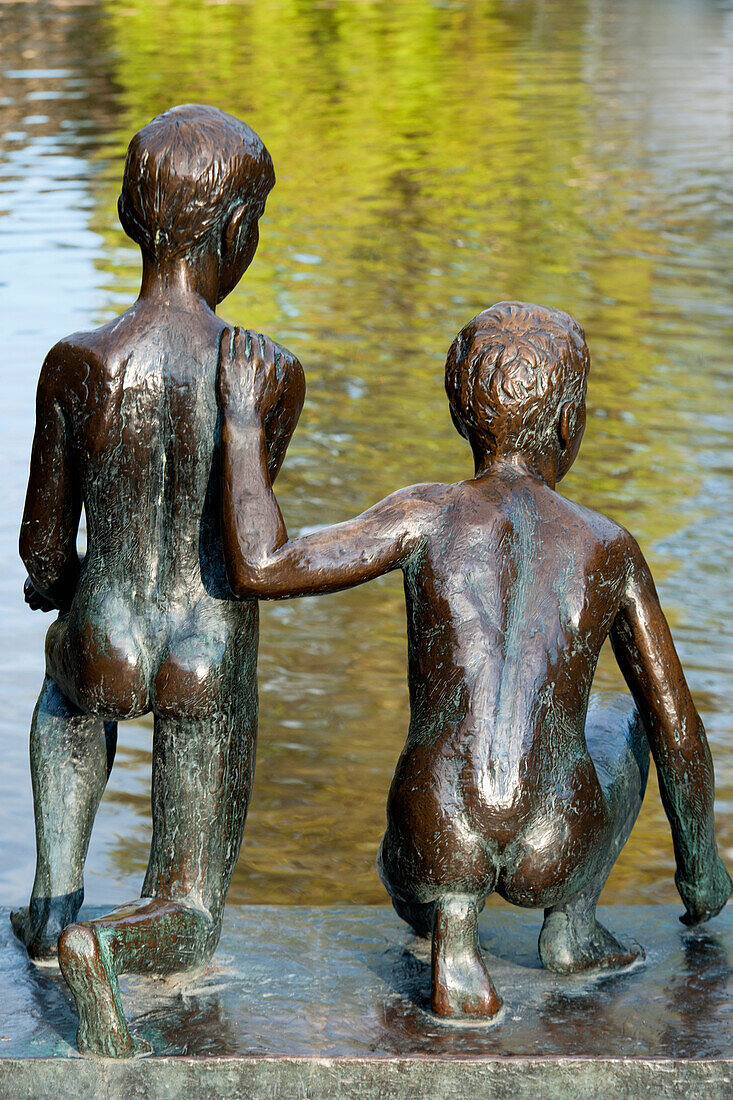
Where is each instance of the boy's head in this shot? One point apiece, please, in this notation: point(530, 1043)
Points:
point(195, 181)
point(516, 378)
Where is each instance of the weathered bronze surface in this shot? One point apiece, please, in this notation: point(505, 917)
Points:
point(336, 1002)
point(509, 782)
point(128, 428)
point(512, 780)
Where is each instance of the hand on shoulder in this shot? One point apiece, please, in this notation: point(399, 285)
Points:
point(252, 372)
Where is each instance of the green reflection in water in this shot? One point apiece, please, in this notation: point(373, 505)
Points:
point(432, 159)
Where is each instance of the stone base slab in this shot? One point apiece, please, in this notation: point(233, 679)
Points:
point(334, 1002)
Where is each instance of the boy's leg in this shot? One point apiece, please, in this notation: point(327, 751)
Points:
point(460, 984)
point(71, 757)
point(418, 916)
point(571, 938)
point(202, 777)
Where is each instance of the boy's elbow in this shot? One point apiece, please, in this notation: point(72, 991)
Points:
point(44, 578)
point(248, 581)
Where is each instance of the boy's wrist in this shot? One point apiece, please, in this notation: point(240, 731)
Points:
point(247, 421)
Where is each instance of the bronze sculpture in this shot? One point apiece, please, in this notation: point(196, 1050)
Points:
point(127, 426)
point(508, 782)
point(503, 784)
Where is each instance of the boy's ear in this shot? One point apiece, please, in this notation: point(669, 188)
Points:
point(566, 425)
point(233, 228)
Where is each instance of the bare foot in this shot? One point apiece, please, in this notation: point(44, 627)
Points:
point(39, 925)
point(569, 944)
point(40, 945)
point(461, 986)
point(89, 974)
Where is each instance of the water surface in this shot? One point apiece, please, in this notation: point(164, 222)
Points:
point(432, 158)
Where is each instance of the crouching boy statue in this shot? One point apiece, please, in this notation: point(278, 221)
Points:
point(128, 427)
point(509, 780)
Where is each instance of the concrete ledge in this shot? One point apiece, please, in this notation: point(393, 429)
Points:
point(366, 1078)
point(313, 1003)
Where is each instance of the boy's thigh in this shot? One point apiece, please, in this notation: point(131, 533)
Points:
point(204, 741)
point(202, 780)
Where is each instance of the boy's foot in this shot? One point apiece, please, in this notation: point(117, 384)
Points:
point(102, 1027)
point(569, 944)
point(39, 942)
point(39, 925)
point(461, 986)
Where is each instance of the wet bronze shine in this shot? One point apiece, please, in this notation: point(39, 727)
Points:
point(168, 427)
point(513, 779)
point(128, 427)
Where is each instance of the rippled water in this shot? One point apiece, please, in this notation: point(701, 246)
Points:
point(432, 158)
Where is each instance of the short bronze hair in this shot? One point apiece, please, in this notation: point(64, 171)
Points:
point(510, 370)
point(185, 173)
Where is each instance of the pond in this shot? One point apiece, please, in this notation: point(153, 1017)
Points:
point(432, 158)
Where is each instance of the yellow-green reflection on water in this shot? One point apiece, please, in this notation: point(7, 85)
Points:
point(432, 159)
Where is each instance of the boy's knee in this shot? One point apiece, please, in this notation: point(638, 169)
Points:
point(614, 728)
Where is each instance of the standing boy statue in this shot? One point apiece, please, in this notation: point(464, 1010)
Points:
point(128, 427)
point(508, 781)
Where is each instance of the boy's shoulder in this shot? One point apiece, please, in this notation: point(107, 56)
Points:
point(102, 350)
point(431, 506)
point(64, 361)
point(601, 526)
point(427, 496)
point(80, 346)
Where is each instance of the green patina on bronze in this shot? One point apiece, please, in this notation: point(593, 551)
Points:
point(169, 428)
point(128, 427)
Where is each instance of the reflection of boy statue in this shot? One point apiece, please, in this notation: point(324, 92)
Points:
point(508, 782)
point(127, 425)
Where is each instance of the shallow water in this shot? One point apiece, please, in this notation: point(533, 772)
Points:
point(432, 158)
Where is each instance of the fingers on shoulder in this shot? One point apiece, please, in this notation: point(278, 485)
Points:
point(248, 344)
point(282, 369)
point(236, 342)
point(226, 338)
point(290, 373)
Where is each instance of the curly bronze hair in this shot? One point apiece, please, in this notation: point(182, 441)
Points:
point(508, 373)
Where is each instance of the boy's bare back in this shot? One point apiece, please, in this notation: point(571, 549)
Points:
point(506, 619)
point(137, 399)
point(504, 601)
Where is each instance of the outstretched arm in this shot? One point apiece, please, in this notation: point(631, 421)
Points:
point(260, 560)
point(645, 651)
point(53, 502)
